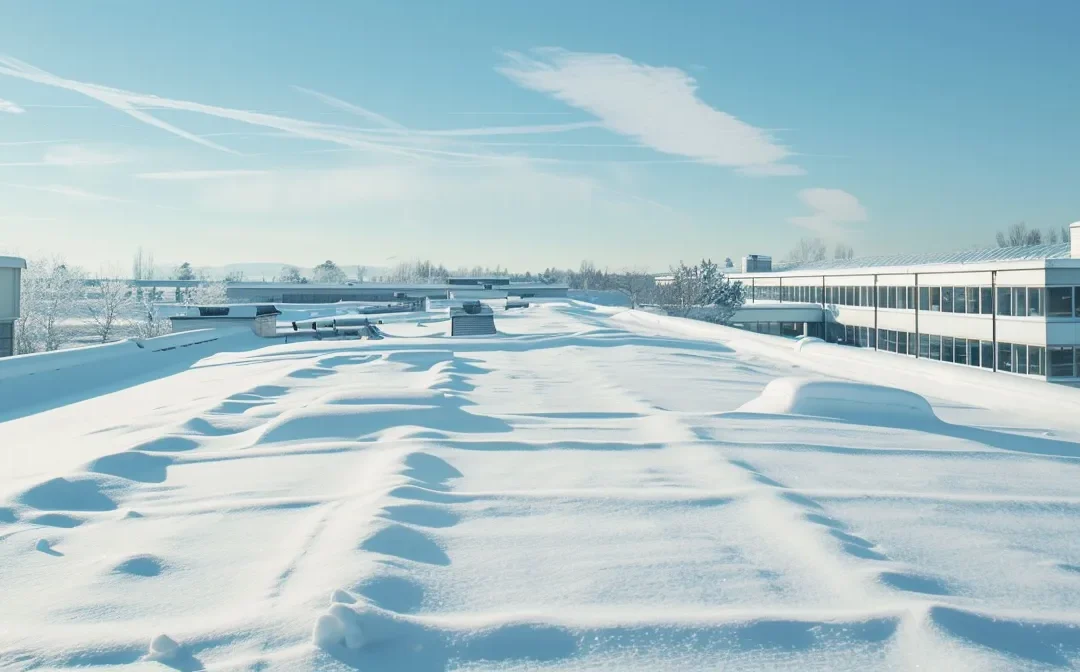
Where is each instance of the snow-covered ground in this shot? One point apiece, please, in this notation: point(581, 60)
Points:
point(589, 490)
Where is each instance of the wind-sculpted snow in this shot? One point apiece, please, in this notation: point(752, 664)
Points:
point(587, 490)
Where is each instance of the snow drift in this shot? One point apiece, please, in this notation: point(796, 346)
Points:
point(842, 400)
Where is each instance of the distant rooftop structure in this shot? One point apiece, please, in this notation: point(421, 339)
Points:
point(1027, 252)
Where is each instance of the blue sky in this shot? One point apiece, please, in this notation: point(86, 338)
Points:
point(528, 134)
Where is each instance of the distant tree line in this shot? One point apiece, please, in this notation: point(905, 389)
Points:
point(1019, 235)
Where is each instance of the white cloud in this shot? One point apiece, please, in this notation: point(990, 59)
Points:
point(832, 208)
point(80, 155)
point(10, 107)
point(657, 106)
point(65, 190)
point(199, 174)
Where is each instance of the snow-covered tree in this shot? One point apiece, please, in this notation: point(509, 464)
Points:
point(210, 294)
point(843, 251)
point(289, 274)
point(702, 292)
point(150, 324)
point(51, 291)
point(328, 272)
point(109, 301)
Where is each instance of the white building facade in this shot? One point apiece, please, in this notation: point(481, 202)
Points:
point(1013, 310)
point(11, 269)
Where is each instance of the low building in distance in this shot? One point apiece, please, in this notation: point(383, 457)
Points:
point(11, 269)
point(1014, 310)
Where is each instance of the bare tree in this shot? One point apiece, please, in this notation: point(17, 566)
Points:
point(843, 251)
point(1066, 234)
point(1018, 235)
point(637, 285)
point(110, 300)
point(807, 250)
point(360, 270)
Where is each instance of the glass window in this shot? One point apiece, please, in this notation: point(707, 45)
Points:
point(912, 343)
point(1035, 360)
point(1061, 362)
point(1059, 301)
point(960, 351)
point(959, 299)
point(892, 340)
point(946, 299)
point(986, 300)
point(924, 298)
point(935, 298)
point(890, 297)
point(1004, 355)
point(849, 335)
point(872, 333)
point(935, 347)
point(882, 297)
point(1004, 301)
point(1035, 302)
point(901, 298)
point(973, 352)
point(973, 300)
point(924, 345)
point(911, 298)
point(851, 296)
point(946, 348)
point(1020, 359)
point(987, 354)
point(901, 342)
point(1020, 302)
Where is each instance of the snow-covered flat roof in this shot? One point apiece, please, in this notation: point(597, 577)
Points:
point(593, 488)
point(12, 262)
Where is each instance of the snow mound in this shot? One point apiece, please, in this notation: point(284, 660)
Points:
point(354, 625)
point(163, 648)
point(803, 342)
point(854, 402)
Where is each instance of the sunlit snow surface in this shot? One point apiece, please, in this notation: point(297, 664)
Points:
point(581, 492)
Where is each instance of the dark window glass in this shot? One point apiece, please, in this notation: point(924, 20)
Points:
point(924, 298)
point(959, 299)
point(960, 351)
point(987, 354)
point(946, 348)
point(935, 298)
point(1004, 302)
point(946, 299)
point(851, 296)
point(912, 343)
point(935, 347)
point(924, 345)
point(882, 297)
point(1020, 301)
point(872, 333)
point(890, 296)
point(911, 298)
point(849, 335)
point(1004, 355)
point(973, 352)
point(1035, 303)
point(1020, 359)
point(1035, 360)
point(1059, 301)
point(986, 301)
point(1061, 362)
point(901, 298)
point(973, 300)
point(901, 342)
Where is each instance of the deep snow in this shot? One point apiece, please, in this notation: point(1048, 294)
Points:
point(589, 490)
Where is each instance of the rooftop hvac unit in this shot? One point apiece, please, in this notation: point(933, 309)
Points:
point(757, 263)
